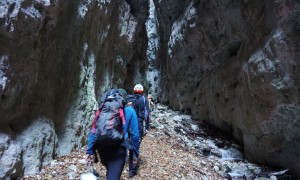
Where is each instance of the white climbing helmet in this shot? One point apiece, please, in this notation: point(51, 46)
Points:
point(138, 88)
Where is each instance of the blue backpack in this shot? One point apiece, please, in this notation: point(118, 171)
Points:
point(139, 105)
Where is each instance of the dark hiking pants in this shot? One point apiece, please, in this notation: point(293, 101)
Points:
point(113, 158)
point(141, 128)
point(133, 163)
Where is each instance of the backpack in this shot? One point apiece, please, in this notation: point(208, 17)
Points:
point(109, 130)
point(138, 104)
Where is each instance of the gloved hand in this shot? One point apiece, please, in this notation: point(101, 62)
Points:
point(146, 131)
point(89, 158)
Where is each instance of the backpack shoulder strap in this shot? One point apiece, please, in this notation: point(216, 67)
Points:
point(95, 120)
point(144, 99)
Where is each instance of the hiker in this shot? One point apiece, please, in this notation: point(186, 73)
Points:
point(151, 103)
point(112, 155)
point(140, 105)
point(133, 150)
point(151, 106)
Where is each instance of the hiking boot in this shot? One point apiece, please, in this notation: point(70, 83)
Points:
point(131, 174)
point(127, 159)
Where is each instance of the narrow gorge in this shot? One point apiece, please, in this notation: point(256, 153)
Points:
point(233, 64)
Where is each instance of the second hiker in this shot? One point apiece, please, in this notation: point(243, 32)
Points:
point(140, 105)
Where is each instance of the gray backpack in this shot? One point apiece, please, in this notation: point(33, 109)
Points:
point(109, 130)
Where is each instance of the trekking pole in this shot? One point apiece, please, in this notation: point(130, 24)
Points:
point(91, 169)
point(91, 173)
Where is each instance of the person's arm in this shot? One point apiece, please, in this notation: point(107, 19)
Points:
point(127, 122)
point(153, 105)
point(134, 129)
point(95, 121)
point(146, 113)
point(91, 140)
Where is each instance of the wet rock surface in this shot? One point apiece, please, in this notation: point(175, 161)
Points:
point(234, 64)
point(167, 153)
point(211, 143)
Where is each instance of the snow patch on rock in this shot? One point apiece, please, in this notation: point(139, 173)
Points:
point(44, 2)
point(79, 116)
point(260, 63)
point(3, 68)
point(127, 22)
point(102, 3)
point(6, 5)
point(152, 32)
point(266, 61)
point(10, 9)
point(152, 73)
point(280, 37)
point(120, 60)
point(83, 8)
point(282, 82)
point(153, 76)
point(103, 34)
point(106, 83)
point(32, 12)
point(179, 27)
point(14, 7)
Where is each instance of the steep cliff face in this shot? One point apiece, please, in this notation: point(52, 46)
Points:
point(235, 64)
point(56, 58)
point(231, 63)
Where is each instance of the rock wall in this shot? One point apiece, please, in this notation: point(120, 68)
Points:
point(56, 59)
point(235, 64)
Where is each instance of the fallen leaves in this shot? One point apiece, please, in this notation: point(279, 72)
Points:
point(161, 157)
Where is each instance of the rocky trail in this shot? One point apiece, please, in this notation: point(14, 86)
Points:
point(175, 148)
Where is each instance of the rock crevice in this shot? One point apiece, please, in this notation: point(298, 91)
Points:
point(233, 64)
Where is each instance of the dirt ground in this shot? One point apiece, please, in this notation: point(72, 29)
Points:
point(161, 157)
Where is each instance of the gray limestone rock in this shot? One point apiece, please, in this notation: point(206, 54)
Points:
point(233, 64)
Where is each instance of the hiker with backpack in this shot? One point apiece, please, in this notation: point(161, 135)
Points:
point(151, 106)
point(132, 145)
point(151, 103)
point(112, 127)
point(140, 105)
